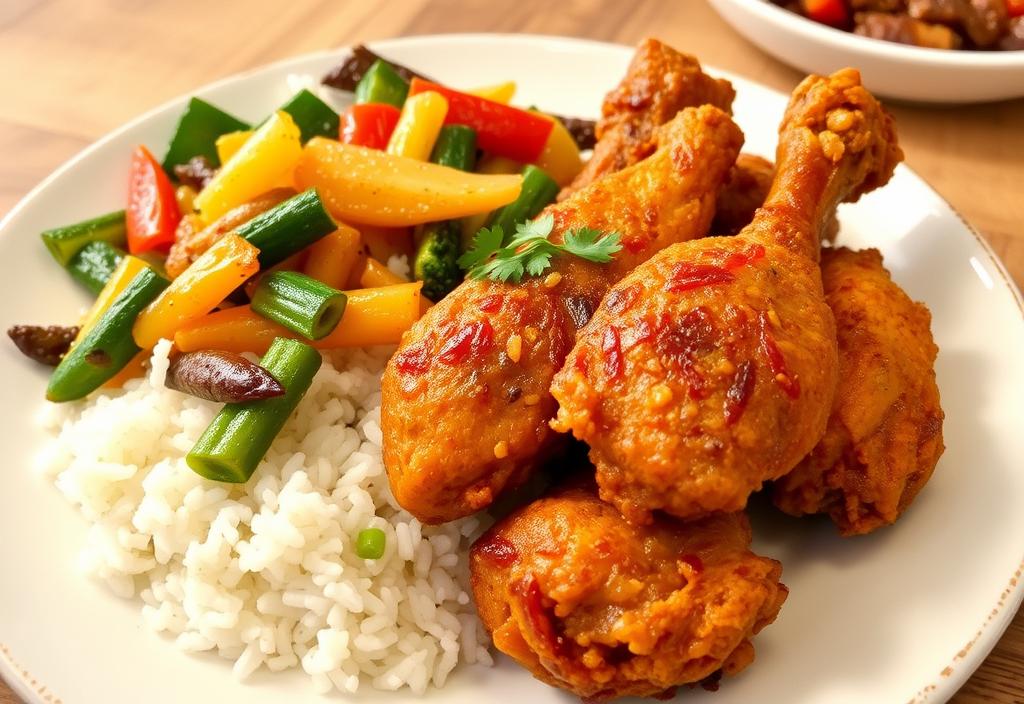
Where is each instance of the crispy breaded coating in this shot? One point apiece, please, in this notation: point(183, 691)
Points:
point(884, 436)
point(591, 604)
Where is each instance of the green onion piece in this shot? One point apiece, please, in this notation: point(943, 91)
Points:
point(370, 543)
point(230, 449)
point(314, 117)
point(197, 133)
point(288, 227)
point(538, 190)
point(94, 264)
point(381, 84)
point(65, 242)
point(300, 303)
point(109, 345)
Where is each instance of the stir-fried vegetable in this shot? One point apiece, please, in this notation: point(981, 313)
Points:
point(436, 262)
point(349, 72)
point(373, 316)
point(539, 189)
point(370, 543)
point(364, 185)
point(417, 129)
point(229, 144)
point(561, 157)
point(314, 117)
point(225, 377)
point(381, 84)
point(369, 124)
point(260, 165)
point(233, 445)
point(197, 132)
point(502, 130)
point(199, 289)
point(152, 213)
point(123, 275)
point(94, 264)
point(332, 258)
point(65, 242)
point(288, 227)
point(499, 93)
point(489, 164)
point(300, 303)
point(44, 344)
point(109, 345)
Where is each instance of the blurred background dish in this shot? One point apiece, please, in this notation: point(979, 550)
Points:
point(890, 68)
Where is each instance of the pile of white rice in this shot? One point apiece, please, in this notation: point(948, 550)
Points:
point(266, 574)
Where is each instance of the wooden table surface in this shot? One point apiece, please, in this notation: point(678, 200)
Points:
point(71, 71)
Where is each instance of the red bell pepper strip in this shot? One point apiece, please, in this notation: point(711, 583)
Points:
point(500, 129)
point(830, 12)
point(152, 214)
point(369, 124)
point(1015, 8)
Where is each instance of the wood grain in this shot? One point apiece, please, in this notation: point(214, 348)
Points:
point(75, 70)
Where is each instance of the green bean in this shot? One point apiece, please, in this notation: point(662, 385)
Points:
point(538, 190)
point(288, 227)
point(93, 265)
point(302, 304)
point(232, 446)
point(109, 345)
point(65, 242)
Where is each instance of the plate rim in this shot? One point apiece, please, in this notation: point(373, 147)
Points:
point(944, 684)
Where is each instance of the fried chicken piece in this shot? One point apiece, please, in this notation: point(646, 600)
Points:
point(591, 604)
point(659, 83)
point(712, 367)
point(465, 400)
point(742, 194)
point(884, 436)
point(191, 238)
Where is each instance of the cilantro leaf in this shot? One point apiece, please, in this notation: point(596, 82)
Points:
point(529, 251)
point(592, 245)
point(485, 243)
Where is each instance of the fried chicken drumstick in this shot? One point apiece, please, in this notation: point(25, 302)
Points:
point(712, 367)
point(604, 609)
point(466, 400)
point(884, 436)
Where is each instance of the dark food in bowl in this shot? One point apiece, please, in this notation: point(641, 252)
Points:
point(933, 24)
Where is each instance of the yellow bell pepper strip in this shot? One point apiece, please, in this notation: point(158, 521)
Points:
point(561, 157)
point(366, 186)
point(118, 281)
point(418, 126)
point(373, 316)
point(229, 144)
point(208, 280)
point(499, 93)
point(376, 275)
point(261, 164)
point(332, 258)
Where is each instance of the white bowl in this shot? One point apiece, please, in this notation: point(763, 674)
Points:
point(891, 70)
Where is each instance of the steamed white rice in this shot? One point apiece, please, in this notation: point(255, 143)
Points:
point(266, 574)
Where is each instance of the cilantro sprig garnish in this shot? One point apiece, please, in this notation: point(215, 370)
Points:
point(529, 252)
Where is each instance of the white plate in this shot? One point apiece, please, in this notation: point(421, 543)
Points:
point(903, 615)
point(890, 69)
